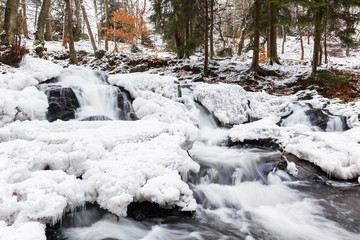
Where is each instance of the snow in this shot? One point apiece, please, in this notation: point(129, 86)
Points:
point(27, 104)
point(338, 154)
point(32, 71)
point(156, 97)
point(119, 162)
point(29, 231)
point(231, 104)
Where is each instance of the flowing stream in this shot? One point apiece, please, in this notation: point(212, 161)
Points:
point(239, 196)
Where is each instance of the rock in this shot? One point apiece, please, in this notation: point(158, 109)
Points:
point(318, 118)
point(62, 104)
point(139, 68)
point(143, 210)
point(225, 52)
point(100, 53)
point(97, 118)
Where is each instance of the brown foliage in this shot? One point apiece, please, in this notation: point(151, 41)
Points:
point(14, 54)
point(126, 28)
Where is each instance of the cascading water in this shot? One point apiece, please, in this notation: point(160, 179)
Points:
point(95, 98)
point(315, 119)
point(240, 197)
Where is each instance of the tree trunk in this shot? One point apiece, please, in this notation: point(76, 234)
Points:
point(36, 13)
point(317, 39)
point(24, 23)
point(255, 59)
point(273, 56)
point(97, 23)
point(212, 53)
point(206, 61)
point(242, 42)
point(39, 34)
point(48, 33)
point(284, 40)
point(78, 20)
point(107, 23)
point(65, 32)
point(301, 43)
point(88, 27)
point(10, 21)
point(70, 40)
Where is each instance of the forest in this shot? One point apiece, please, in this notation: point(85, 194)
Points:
point(179, 119)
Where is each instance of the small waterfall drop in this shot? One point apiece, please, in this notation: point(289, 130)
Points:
point(87, 95)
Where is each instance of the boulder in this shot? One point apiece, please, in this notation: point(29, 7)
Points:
point(62, 104)
point(318, 118)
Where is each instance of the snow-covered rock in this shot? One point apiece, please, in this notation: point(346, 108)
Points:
point(156, 97)
point(231, 104)
point(338, 154)
point(32, 71)
point(119, 162)
point(27, 104)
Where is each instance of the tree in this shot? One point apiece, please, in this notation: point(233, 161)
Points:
point(44, 12)
point(206, 29)
point(126, 28)
point(24, 23)
point(273, 12)
point(70, 34)
point(256, 38)
point(181, 22)
point(107, 24)
point(88, 27)
point(10, 21)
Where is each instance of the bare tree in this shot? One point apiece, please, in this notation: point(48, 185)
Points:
point(43, 15)
point(88, 27)
point(70, 34)
point(24, 22)
point(10, 21)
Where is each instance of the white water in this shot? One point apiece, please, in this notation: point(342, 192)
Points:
point(95, 95)
point(239, 197)
point(258, 202)
point(299, 117)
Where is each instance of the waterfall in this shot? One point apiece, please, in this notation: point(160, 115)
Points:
point(86, 95)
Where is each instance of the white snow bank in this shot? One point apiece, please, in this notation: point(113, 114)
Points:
point(156, 97)
point(231, 104)
point(136, 83)
point(28, 231)
point(32, 71)
point(338, 154)
point(28, 104)
point(119, 161)
point(263, 129)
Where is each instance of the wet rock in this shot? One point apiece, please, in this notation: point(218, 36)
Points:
point(62, 104)
point(97, 118)
point(318, 118)
point(143, 210)
point(267, 143)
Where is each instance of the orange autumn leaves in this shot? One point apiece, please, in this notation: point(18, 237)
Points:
point(125, 27)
